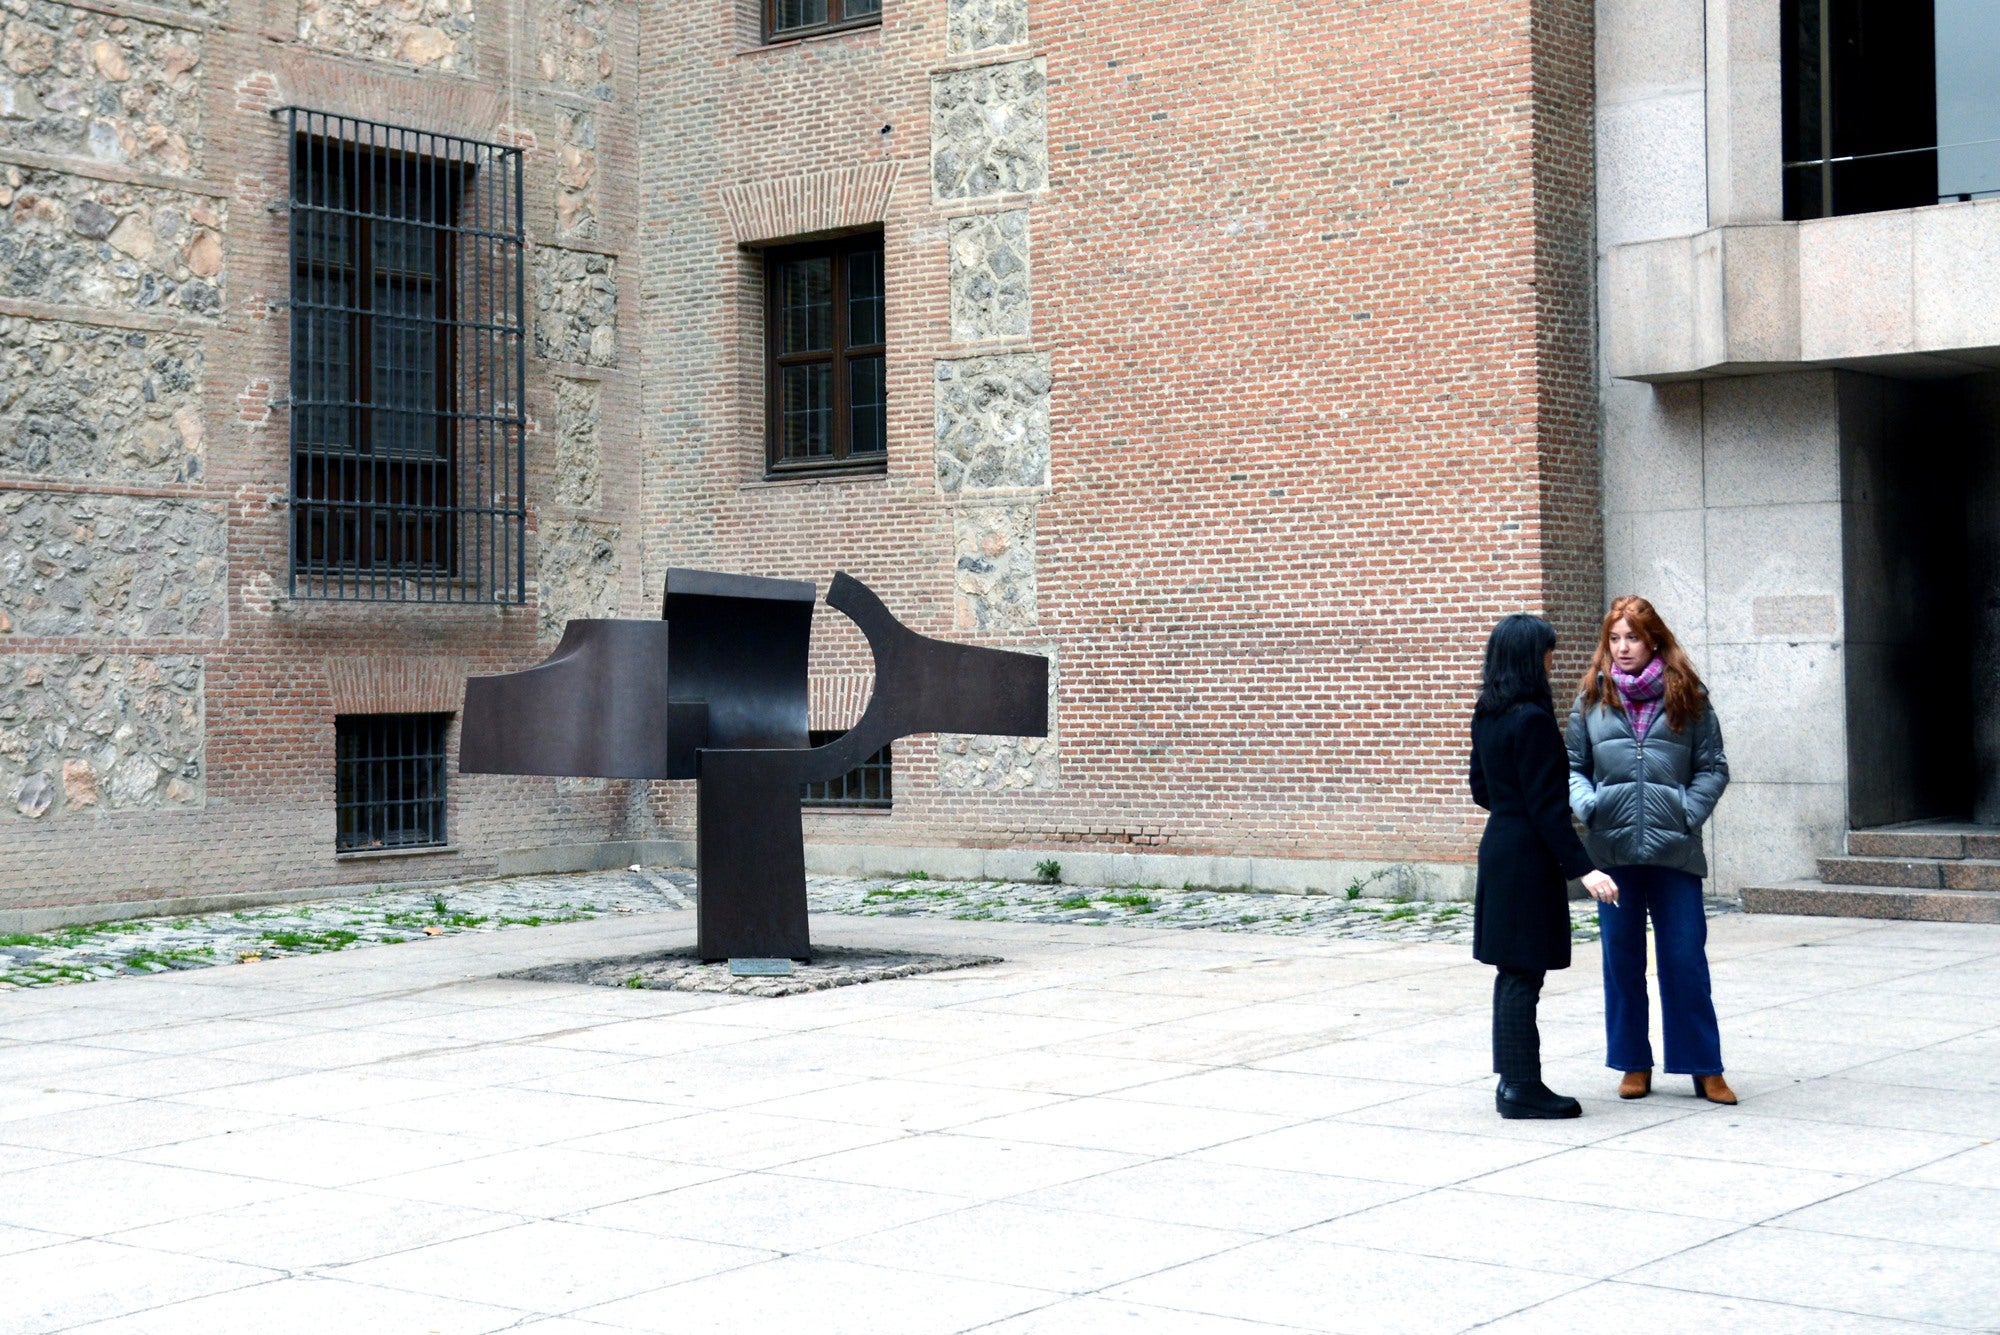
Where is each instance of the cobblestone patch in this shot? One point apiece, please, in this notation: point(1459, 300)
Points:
point(992, 422)
point(684, 971)
point(111, 565)
point(989, 130)
point(394, 915)
point(385, 917)
point(84, 242)
point(81, 402)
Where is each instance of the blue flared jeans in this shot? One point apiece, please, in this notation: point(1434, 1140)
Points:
point(1680, 942)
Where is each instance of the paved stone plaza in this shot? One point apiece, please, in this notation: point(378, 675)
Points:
point(1116, 1129)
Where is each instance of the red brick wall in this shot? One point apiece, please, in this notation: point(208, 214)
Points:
point(1313, 279)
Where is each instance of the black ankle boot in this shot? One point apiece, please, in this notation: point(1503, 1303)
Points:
point(1532, 1098)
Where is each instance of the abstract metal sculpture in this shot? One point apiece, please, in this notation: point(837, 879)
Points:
point(716, 692)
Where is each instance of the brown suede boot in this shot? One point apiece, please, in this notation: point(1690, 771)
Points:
point(1713, 1088)
point(1636, 1085)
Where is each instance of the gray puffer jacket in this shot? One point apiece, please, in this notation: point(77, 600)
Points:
point(1642, 803)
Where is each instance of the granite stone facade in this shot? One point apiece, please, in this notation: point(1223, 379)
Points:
point(80, 241)
point(993, 422)
point(82, 734)
point(115, 90)
point(75, 564)
point(80, 401)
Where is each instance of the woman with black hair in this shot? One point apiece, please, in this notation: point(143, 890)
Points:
point(1520, 924)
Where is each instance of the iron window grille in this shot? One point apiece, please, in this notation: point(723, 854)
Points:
point(408, 424)
point(389, 781)
point(868, 786)
point(1889, 104)
point(785, 19)
point(826, 326)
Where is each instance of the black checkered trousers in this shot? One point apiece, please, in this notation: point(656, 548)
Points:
point(1517, 1043)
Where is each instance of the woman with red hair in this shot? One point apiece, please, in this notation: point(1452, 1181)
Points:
point(1646, 770)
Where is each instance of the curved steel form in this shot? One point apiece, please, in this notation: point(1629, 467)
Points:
point(716, 692)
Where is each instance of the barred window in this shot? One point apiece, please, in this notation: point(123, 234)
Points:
point(826, 322)
point(867, 785)
point(801, 18)
point(389, 777)
point(407, 362)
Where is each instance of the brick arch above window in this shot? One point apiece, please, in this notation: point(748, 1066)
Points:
point(787, 208)
point(395, 685)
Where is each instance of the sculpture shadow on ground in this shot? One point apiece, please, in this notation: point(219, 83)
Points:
point(716, 692)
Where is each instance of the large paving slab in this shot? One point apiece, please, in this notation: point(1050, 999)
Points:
point(1116, 1129)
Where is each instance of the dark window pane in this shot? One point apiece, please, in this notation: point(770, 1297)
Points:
point(405, 372)
point(869, 784)
point(389, 780)
point(855, 9)
point(800, 13)
point(805, 410)
point(865, 399)
point(407, 428)
point(864, 298)
point(805, 304)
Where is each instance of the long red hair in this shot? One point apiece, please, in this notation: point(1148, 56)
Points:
point(1684, 700)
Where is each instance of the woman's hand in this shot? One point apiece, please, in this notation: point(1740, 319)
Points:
point(1602, 888)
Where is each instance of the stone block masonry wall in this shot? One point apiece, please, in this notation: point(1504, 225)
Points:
point(166, 708)
point(1236, 357)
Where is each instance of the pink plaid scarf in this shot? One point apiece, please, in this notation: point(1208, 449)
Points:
point(1642, 694)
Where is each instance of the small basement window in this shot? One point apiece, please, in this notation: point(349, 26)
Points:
point(869, 786)
point(389, 780)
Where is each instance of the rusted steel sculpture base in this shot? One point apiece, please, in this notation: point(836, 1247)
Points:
point(716, 692)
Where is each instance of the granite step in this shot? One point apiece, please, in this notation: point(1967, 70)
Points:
point(1913, 873)
point(1928, 839)
point(1821, 900)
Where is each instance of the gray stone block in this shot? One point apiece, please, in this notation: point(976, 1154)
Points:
point(989, 276)
point(576, 306)
point(1760, 553)
point(1647, 47)
point(1802, 740)
point(976, 25)
point(993, 422)
point(429, 34)
point(1772, 439)
point(88, 734)
point(87, 402)
point(1663, 556)
point(1768, 833)
point(1652, 168)
point(1955, 283)
point(75, 564)
point(576, 574)
point(1854, 286)
point(1652, 456)
point(994, 574)
point(989, 130)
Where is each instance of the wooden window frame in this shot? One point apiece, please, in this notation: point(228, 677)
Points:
point(841, 435)
point(836, 21)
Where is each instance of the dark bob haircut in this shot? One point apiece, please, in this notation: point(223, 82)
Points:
point(1516, 665)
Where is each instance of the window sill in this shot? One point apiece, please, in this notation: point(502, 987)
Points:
point(841, 478)
point(377, 854)
point(779, 43)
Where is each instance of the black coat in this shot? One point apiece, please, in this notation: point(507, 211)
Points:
point(1520, 773)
